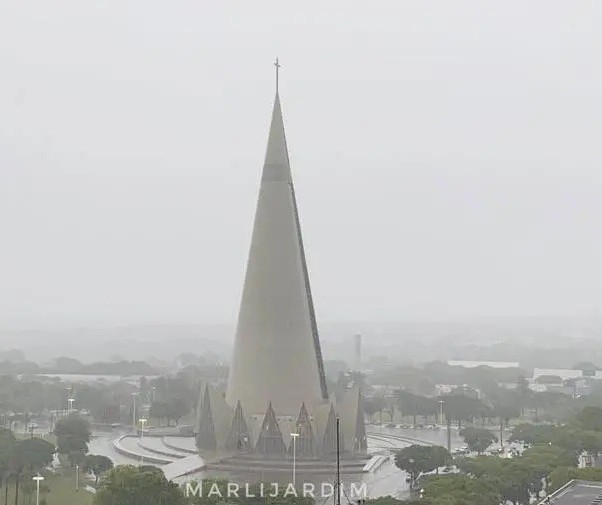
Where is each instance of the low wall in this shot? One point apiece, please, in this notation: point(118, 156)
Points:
point(136, 455)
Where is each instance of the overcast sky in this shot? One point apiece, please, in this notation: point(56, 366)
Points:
point(447, 156)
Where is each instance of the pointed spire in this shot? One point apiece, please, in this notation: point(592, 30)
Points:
point(276, 167)
point(206, 435)
point(277, 354)
point(270, 439)
point(305, 443)
point(239, 438)
point(329, 438)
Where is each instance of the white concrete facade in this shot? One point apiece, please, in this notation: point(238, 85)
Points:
point(277, 356)
point(490, 364)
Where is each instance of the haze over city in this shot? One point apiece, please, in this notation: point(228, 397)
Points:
point(438, 178)
point(349, 251)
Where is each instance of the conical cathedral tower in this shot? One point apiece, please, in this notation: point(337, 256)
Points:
point(277, 357)
point(276, 388)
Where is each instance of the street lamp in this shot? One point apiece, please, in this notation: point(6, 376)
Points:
point(38, 478)
point(134, 395)
point(295, 436)
point(77, 477)
point(70, 400)
point(411, 461)
point(441, 402)
point(142, 423)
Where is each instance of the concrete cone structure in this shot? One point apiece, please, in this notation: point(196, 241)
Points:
point(277, 356)
point(277, 386)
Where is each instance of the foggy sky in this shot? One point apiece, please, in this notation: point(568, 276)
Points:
point(447, 156)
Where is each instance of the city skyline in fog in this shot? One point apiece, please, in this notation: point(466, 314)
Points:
point(446, 157)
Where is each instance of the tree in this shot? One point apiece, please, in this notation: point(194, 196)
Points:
point(34, 453)
point(31, 454)
point(546, 400)
point(414, 405)
point(587, 367)
point(532, 434)
point(561, 475)
point(570, 438)
point(519, 478)
point(373, 405)
point(461, 408)
point(590, 418)
point(72, 435)
point(73, 425)
point(369, 408)
point(7, 444)
point(97, 465)
point(177, 408)
point(417, 459)
point(460, 490)
point(127, 484)
point(523, 393)
point(177, 395)
point(478, 439)
point(159, 410)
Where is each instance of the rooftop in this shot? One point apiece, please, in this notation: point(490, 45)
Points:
point(576, 492)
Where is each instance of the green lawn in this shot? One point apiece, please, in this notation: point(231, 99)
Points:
point(56, 489)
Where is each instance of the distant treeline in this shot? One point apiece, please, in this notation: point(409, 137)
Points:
point(73, 366)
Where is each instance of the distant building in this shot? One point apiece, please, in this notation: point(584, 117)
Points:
point(563, 373)
point(491, 364)
point(575, 492)
point(575, 387)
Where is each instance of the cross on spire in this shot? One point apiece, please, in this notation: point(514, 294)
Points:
point(277, 65)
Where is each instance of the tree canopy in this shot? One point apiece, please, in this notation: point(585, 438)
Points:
point(460, 490)
point(128, 484)
point(478, 439)
point(417, 459)
point(568, 437)
point(97, 465)
point(72, 436)
point(561, 475)
point(590, 418)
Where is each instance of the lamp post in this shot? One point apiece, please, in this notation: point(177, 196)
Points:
point(412, 472)
point(142, 423)
point(134, 395)
point(71, 401)
point(77, 477)
point(441, 402)
point(38, 478)
point(295, 436)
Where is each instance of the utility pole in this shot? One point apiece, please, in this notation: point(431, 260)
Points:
point(448, 435)
point(134, 419)
point(338, 487)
